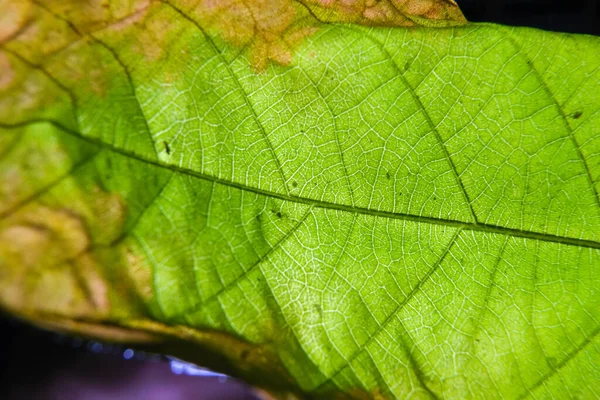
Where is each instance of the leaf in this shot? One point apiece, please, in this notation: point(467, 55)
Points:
point(388, 213)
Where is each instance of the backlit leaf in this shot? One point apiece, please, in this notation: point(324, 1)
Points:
point(323, 209)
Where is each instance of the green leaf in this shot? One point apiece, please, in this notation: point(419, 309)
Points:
point(370, 212)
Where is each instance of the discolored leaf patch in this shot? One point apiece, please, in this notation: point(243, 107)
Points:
point(434, 13)
point(43, 248)
point(272, 29)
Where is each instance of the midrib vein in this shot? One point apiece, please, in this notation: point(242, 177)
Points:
point(477, 227)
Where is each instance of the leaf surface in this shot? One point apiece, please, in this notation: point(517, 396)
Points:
point(381, 213)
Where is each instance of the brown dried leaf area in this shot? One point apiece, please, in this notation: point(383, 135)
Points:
point(388, 12)
point(270, 29)
point(19, 16)
point(51, 262)
point(39, 31)
point(45, 26)
point(14, 15)
point(7, 73)
point(92, 15)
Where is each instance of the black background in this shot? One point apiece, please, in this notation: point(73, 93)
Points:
point(44, 366)
point(576, 16)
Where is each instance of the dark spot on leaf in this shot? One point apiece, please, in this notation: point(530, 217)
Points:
point(406, 66)
point(434, 198)
point(244, 354)
point(258, 217)
point(167, 148)
point(294, 184)
point(576, 114)
point(278, 213)
point(387, 175)
point(318, 309)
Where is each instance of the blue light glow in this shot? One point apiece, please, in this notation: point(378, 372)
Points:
point(128, 354)
point(96, 347)
point(179, 367)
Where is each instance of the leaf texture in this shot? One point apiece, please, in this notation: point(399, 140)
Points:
point(395, 213)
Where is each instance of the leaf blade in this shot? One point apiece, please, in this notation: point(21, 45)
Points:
point(318, 257)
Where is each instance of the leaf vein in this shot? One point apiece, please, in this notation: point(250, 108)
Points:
point(519, 49)
point(239, 85)
point(398, 308)
point(432, 126)
point(587, 342)
point(467, 226)
point(46, 188)
point(233, 283)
